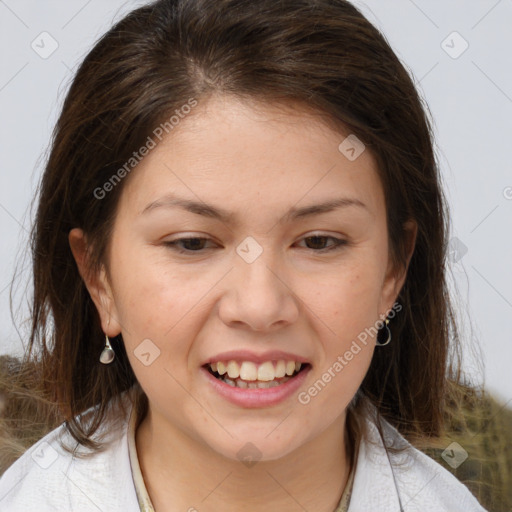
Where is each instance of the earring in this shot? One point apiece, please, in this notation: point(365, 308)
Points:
point(107, 354)
point(379, 343)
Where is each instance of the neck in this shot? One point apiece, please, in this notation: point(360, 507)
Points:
point(181, 471)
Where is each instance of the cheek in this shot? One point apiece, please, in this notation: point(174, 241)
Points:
point(145, 303)
point(347, 298)
point(157, 311)
point(347, 312)
point(162, 303)
point(337, 380)
point(147, 296)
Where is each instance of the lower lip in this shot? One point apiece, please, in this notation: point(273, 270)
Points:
point(252, 398)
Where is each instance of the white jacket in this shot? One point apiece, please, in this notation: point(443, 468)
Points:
point(47, 479)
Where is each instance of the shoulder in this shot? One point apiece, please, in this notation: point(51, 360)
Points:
point(47, 477)
point(407, 480)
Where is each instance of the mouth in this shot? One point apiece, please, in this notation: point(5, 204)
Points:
point(249, 375)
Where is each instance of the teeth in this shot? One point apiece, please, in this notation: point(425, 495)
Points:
point(290, 368)
point(229, 381)
point(266, 371)
point(280, 369)
point(221, 368)
point(253, 376)
point(249, 371)
point(239, 383)
point(233, 370)
point(263, 385)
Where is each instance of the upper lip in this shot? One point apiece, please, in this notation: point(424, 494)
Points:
point(246, 355)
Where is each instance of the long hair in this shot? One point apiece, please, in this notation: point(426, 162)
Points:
point(322, 54)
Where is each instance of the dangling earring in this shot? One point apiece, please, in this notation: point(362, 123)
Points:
point(379, 343)
point(107, 354)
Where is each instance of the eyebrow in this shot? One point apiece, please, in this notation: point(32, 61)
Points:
point(294, 213)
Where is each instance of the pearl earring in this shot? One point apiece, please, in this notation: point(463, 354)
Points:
point(107, 354)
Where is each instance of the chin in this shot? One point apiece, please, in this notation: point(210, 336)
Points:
point(250, 447)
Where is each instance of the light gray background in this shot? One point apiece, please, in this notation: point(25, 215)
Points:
point(469, 95)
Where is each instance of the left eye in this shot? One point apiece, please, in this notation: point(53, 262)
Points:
point(316, 240)
point(196, 244)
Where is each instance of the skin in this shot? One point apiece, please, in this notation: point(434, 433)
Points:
point(256, 161)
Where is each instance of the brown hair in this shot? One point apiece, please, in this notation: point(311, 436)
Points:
point(322, 54)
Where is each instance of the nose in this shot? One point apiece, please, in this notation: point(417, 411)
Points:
point(258, 297)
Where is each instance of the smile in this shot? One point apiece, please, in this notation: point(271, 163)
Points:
point(249, 375)
point(244, 387)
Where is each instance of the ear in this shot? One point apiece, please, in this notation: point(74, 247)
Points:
point(96, 283)
point(395, 277)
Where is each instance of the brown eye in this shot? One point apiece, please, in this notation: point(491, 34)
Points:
point(317, 243)
point(189, 245)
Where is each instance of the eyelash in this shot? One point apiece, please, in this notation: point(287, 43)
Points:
point(338, 244)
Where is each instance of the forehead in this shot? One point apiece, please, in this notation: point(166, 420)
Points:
point(243, 155)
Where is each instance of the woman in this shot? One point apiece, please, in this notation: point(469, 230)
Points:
point(239, 290)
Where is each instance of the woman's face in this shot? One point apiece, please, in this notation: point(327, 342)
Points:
point(269, 284)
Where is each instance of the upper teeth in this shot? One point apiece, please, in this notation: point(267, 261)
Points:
point(248, 370)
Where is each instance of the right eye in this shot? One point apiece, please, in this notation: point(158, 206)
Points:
point(190, 244)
